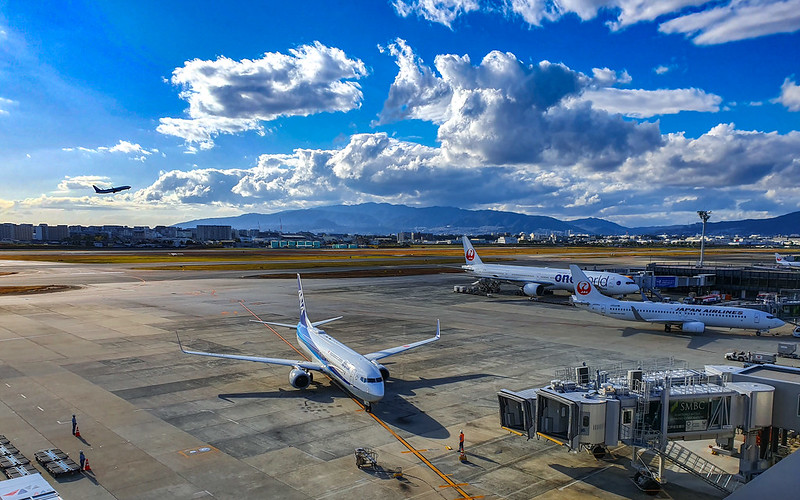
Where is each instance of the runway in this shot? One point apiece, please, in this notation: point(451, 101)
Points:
point(161, 424)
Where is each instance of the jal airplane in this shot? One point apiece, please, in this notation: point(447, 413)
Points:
point(109, 190)
point(781, 260)
point(534, 281)
point(360, 375)
point(688, 318)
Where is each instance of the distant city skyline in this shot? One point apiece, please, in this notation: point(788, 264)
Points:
point(637, 113)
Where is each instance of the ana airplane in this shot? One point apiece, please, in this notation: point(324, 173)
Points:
point(110, 190)
point(781, 260)
point(535, 281)
point(688, 318)
point(361, 375)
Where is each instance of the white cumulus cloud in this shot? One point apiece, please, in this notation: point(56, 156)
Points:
point(790, 95)
point(81, 182)
point(437, 11)
point(638, 103)
point(228, 97)
point(503, 111)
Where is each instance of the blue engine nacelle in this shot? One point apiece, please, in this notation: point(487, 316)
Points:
point(383, 369)
point(533, 289)
point(693, 327)
point(300, 379)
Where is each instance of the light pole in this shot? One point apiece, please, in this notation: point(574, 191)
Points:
point(704, 215)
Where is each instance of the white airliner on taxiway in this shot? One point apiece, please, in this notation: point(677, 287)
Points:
point(781, 260)
point(361, 375)
point(689, 318)
point(536, 280)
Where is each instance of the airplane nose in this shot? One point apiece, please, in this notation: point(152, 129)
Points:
point(375, 394)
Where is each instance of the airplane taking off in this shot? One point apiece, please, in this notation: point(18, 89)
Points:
point(534, 281)
point(781, 260)
point(110, 190)
point(688, 318)
point(361, 375)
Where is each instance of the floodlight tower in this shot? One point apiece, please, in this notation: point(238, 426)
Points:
point(704, 215)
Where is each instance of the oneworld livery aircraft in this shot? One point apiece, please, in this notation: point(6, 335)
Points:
point(360, 375)
point(781, 260)
point(535, 281)
point(688, 318)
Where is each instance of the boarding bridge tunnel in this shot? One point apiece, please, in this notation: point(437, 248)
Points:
point(648, 409)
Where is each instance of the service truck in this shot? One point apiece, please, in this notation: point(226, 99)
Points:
point(759, 358)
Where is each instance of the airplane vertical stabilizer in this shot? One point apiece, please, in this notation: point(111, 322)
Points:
point(303, 315)
point(585, 290)
point(470, 254)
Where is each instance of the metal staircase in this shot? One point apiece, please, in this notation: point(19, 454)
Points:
point(698, 466)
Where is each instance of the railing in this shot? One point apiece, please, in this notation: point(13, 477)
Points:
point(695, 464)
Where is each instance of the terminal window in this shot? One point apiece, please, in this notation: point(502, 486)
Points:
point(627, 416)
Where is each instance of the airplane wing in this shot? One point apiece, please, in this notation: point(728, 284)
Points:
point(653, 320)
point(308, 365)
point(396, 350)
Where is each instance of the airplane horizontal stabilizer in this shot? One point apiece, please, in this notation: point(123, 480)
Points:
point(318, 323)
point(285, 325)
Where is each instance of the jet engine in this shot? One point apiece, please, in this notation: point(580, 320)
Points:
point(300, 379)
point(384, 371)
point(533, 289)
point(693, 327)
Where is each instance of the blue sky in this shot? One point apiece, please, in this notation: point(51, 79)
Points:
point(637, 112)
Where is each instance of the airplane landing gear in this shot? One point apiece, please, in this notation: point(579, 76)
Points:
point(667, 328)
point(367, 407)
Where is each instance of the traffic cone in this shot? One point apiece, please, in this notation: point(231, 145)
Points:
point(86, 465)
point(77, 432)
point(462, 457)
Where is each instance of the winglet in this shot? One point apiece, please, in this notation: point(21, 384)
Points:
point(438, 331)
point(179, 342)
point(470, 255)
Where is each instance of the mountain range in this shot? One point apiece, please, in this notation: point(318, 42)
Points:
point(384, 218)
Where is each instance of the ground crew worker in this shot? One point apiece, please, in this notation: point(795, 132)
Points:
point(82, 459)
point(74, 424)
point(461, 441)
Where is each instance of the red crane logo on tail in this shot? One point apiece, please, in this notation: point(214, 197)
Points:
point(470, 254)
point(584, 287)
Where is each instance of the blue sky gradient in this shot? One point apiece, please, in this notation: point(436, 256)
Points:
point(601, 108)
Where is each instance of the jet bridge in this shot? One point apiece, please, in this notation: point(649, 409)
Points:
point(650, 408)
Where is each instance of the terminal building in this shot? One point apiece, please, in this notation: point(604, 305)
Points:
point(654, 408)
point(740, 282)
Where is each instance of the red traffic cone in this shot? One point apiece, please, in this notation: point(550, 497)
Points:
point(86, 465)
point(77, 432)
